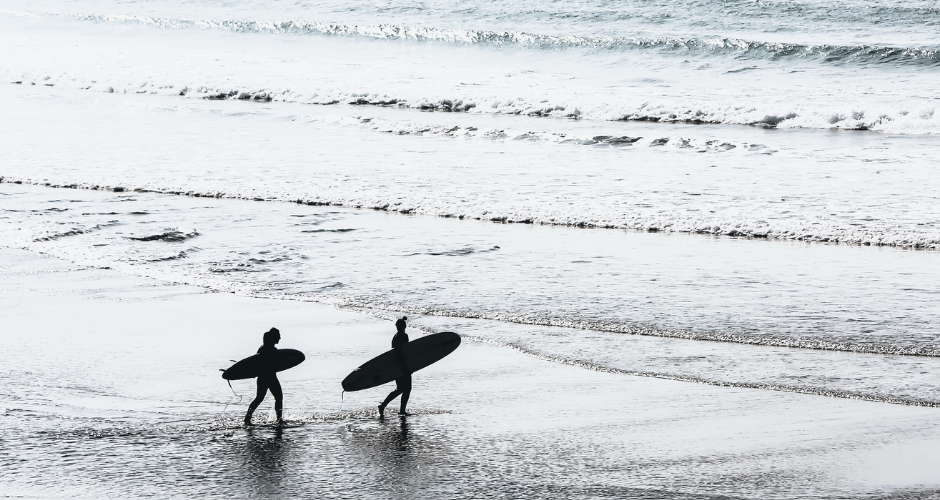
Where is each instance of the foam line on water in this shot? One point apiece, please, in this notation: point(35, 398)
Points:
point(657, 141)
point(810, 232)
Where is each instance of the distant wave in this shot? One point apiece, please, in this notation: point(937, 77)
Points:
point(736, 47)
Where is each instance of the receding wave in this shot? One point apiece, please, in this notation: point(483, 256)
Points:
point(537, 319)
point(815, 391)
point(869, 395)
point(734, 47)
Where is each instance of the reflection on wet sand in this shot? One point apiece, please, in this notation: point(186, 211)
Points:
point(266, 456)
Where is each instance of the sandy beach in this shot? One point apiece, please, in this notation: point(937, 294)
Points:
point(111, 389)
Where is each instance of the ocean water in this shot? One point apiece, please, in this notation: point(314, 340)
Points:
point(735, 193)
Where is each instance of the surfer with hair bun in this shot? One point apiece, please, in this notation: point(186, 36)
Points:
point(267, 380)
point(402, 385)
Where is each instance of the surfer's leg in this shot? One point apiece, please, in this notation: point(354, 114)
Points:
point(404, 386)
point(262, 390)
point(404, 402)
point(275, 387)
point(392, 395)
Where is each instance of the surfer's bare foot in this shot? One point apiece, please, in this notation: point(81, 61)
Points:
point(381, 411)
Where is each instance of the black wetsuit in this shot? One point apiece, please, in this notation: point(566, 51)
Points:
point(268, 381)
point(403, 384)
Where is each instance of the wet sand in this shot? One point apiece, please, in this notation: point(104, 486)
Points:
point(110, 387)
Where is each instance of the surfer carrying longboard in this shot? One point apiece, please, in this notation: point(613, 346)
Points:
point(403, 384)
point(267, 379)
point(399, 363)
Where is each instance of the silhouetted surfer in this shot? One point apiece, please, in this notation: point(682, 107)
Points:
point(268, 381)
point(403, 385)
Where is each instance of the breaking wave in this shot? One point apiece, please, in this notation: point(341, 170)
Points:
point(918, 119)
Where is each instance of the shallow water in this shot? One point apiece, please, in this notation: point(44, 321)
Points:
point(116, 393)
